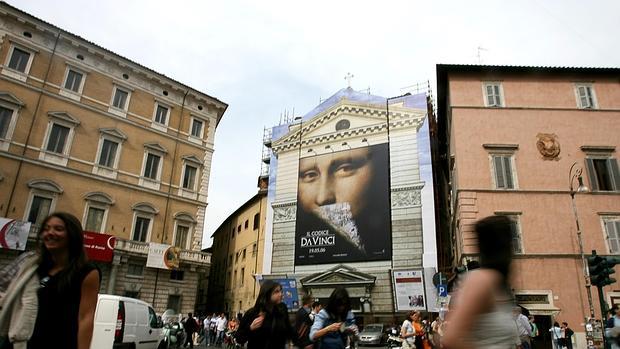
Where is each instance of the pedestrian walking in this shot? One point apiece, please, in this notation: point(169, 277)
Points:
point(407, 331)
point(612, 327)
point(303, 323)
point(266, 325)
point(557, 336)
point(481, 315)
point(52, 299)
point(190, 327)
point(334, 324)
point(205, 330)
point(568, 335)
point(213, 329)
point(523, 327)
point(220, 327)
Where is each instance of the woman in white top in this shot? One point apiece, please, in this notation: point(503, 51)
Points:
point(556, 335)
point(407, 332)
point(482, 317)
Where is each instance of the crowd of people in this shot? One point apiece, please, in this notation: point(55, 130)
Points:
point(58, 280)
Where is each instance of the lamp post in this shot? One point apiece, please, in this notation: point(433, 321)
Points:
point(575, 173)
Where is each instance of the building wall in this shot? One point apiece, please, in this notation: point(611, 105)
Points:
point(550, 262)
point(23, 157)
point(227, 292)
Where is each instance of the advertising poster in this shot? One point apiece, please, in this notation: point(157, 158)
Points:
point(163, 256)
point(289, 290)
point(343, 207)
point(99, 247)
point(13, 234)
point(409, 290)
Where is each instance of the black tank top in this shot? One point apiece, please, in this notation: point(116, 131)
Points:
point(57, 317)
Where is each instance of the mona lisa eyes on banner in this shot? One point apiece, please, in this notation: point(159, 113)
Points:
point(343, 207)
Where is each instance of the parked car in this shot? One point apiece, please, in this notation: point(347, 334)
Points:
point(372, 334)
point(123, 322)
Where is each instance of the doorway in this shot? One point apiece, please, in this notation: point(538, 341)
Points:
point(543, 340)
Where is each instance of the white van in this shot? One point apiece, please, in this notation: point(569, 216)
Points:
point(123, 322)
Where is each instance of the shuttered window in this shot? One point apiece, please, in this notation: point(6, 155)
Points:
point(493, 94)
point(612, 229)
point(603, 174)
point(585, 96)
point(502, 168)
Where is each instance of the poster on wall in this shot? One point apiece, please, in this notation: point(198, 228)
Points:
point(409, 290)
point(163, 256)
point(343, 207)
point(13, 234)
point(289, 292)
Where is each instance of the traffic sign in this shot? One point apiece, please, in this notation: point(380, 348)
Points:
point(442, 290)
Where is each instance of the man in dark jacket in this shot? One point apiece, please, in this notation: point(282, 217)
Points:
point(303, 322)
point(190, 326)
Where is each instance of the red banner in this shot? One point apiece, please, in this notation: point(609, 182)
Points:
point(99, 247)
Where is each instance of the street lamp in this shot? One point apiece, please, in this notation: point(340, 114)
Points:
point(575, 173)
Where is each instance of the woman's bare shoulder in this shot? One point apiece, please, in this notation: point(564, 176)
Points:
point(486, 279)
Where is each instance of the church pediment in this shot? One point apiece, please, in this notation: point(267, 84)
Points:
point(347, 119)
point(340, 275)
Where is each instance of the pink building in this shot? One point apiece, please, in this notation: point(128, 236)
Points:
point(506, 140)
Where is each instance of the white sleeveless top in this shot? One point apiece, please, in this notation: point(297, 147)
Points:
point(495, 330)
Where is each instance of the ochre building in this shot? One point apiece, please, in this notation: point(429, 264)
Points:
point(122, 147)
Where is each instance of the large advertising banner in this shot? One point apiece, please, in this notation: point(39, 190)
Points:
point(13, 234)
point(409, 290)
point(343, 207)
point(163, 256)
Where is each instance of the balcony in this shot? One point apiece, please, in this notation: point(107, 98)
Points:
point(142, 248)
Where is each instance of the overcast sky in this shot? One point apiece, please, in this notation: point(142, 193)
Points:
point(267, 57)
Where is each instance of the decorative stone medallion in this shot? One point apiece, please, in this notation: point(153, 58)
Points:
point(548, 146)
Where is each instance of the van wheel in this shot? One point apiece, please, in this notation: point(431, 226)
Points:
point(162, 345)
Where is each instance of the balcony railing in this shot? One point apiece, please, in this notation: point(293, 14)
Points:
point(139, 247)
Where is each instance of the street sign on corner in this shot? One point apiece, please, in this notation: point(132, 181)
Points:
point(442, 290)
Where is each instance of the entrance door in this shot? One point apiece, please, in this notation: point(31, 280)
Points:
point(543, 322)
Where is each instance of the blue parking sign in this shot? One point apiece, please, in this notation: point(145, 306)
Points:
point(442, 290)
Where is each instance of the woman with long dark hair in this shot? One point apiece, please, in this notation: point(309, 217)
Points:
point(266, 325)
point(333, 325)
point(52, 300)
point(482, 314)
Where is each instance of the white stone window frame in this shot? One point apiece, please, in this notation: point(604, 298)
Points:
point(100, 201)
point(75, 95)
point(509, 150)
point(193, 161)
point(155, 149)
point(143, 210)
point(187, 220)
point(45, 188)
point(590, 87)
point(115, 135)
point(600, 153)
point(62, 119)
point(9, 101)
point(157, 125)
point(192, 138)
point(122, 112)
point(501, 94)
point(515, 216)
point(16, 74)
point(605, 218)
